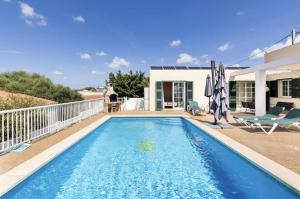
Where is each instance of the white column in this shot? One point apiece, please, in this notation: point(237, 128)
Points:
point(146, 98)
point(260, 93)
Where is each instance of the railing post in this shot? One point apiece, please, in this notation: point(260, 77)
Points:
point(28, 133)
point(7, 129)
point(2, 138)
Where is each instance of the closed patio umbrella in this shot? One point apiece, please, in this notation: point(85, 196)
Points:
point(208, 90)
point(220, 102)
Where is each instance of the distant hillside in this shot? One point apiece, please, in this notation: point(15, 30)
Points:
point(10, 100)
point(38, 86)
point(7, 96)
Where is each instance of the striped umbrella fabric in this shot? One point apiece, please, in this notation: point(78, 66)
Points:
point(220, 102)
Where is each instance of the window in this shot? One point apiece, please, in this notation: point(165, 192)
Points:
point(245, 92)
point(287, 88)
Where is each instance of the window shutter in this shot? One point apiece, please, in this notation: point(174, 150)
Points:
point(273, 86)
point(159, 96)
point(232, 95)
point(189, 92)
point(296, 88)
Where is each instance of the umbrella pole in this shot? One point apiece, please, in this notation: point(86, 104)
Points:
point(209, 105)
point(213, 67)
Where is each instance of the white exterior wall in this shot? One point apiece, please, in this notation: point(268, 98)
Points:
point(280, 98)
point(196, 76)
point(146, 98)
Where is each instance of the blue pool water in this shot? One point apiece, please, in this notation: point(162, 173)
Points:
point(149, 158)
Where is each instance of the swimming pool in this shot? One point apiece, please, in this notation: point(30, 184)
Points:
point(149, 158)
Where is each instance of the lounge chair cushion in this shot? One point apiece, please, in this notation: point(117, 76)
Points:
point(253, 117)
point(272, 113)
point(287, 105)
point(276, 110)
point(280, 121)
point(193, 106)
point(294, 113)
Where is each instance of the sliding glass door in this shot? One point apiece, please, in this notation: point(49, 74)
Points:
point(178, 95)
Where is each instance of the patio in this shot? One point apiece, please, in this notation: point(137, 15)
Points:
point(282, 146)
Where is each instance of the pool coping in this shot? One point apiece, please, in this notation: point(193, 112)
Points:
point(281, 173)
point(16, 175)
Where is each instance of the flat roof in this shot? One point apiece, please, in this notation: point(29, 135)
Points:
point(191, 68)
point(290, 64)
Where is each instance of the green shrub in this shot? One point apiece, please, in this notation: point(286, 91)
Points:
point(38, 86)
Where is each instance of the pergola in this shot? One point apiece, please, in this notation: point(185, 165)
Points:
point(289, 64)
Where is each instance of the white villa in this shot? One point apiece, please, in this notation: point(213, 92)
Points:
point(277, 80)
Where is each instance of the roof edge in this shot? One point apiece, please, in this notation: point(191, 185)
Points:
point(192, 68)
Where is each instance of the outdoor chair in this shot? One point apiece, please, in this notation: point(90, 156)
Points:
point(287, 105)
point(273, 113)
point(292, 118)
point(251, 106)
point(115, 107)
point(194, 108)
point(244, 105)
point(248, 106)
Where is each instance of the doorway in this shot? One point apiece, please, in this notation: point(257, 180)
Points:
point(178, 95)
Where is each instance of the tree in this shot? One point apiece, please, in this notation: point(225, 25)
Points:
point(36, 85)
point(128, 84)
point(64, 94)
point(90, 88)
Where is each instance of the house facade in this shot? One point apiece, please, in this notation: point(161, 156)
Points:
point(171, 87)
point(287, 80)
point(277, 80)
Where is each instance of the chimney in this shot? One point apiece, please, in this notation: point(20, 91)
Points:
point(293, 35)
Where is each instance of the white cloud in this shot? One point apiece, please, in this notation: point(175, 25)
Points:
point(79, 19)
point(187, 59)
point(56, 72)
point(118, 62)
point(6, 1)
point(259, 53)
point(256, 54)
point(30, 16)
point(100, 54)
point(240, 13)
point(225, 47)
point(94, 72)
point(236, 65)
point(282, 44)
point(85, 56)
point(175, 43)
point(205, 56)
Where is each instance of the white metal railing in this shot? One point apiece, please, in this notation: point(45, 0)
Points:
point(23, 125)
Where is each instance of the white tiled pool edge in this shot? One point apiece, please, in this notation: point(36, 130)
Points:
point(19, 173)
point(280, 172)
point(16, 175)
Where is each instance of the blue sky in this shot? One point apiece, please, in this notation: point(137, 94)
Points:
point(77, 43)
